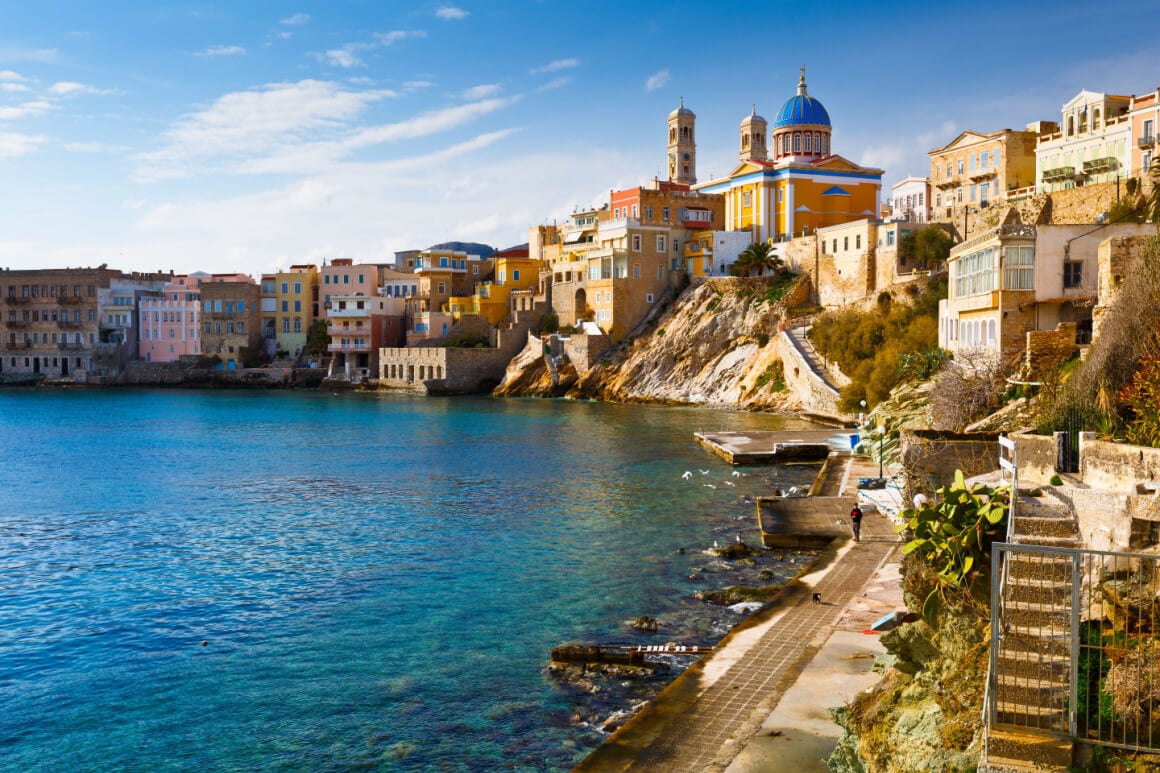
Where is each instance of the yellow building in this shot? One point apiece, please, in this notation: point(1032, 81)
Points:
point(975, 170)
point(295, 307)
point(804, 186)
point(491, 299)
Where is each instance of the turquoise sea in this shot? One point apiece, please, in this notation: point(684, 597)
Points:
point(377, 579)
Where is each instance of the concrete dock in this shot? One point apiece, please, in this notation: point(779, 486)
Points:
point(730, 711)
point(773, 447)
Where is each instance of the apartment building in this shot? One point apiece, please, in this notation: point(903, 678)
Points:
point(1144, 114)
point(976, 170)
point(231, 319)
point(910, 200)
point(1092, 143)
point(359, 326)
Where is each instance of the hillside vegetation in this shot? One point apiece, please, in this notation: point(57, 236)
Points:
point(878, 349)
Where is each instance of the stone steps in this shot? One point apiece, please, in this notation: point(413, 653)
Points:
point(1045, 526)
point(1038, 568)
point(1031, 717)
point(1016, 751)
point(1024, 591)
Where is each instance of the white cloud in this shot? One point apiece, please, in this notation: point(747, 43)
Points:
point(347, 56)
point(557, 65)
point(297, 20)
point(555, 83)
point(26, 110)
point(13, 87)
point(255, 123)
point(68, 88)
point(133, 204)
point(416, 85)
point(394, 36)
point(13, 144)
point(10, 76)
point(451, 13)
point(428, 123)
point(223, 51)
point(482, 91)
point(94, 147)
point(41, 55)
point(657, 80)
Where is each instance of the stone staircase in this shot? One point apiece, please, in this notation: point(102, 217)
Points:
point(1034, 661)
point(801, 341)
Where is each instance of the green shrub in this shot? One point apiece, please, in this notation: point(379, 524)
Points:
point(1142, 399)
point(550, 323)
point(1056, 480)
point(954, 538)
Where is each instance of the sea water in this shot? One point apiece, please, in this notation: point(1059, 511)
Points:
point(314, 581)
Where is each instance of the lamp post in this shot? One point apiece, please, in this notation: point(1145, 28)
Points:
point(881, 436)
point(862, 415)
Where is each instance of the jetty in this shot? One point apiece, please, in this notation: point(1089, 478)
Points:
point(773, 447)
point(728, 700)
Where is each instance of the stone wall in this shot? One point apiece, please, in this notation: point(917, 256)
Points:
point(1118, 466)
point(1046, 350)
point(1114, 258)
point(815, 394)
point(930, 458)
point(1036, 456)
point(585, 350)
point(163, 374)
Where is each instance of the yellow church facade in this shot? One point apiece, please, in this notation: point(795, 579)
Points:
point(796, 184)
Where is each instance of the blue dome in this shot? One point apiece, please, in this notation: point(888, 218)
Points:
point(802, 109)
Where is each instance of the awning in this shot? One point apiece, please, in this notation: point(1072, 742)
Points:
point(576, 237)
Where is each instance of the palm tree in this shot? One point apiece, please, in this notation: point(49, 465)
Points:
point(1152, 202)
point(756, 259)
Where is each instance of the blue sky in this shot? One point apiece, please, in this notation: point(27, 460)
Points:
point(253, 135)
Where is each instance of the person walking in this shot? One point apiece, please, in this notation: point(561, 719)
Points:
point(856, 522)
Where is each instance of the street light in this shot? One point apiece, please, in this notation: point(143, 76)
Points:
point(862, 415)
point(881, 436)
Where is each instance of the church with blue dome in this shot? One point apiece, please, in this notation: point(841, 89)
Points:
point(788, 180)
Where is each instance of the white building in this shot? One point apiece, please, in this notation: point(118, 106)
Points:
point(1093, 144)
point(910, 200)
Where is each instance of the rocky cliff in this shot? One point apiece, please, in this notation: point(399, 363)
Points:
point(713, 345)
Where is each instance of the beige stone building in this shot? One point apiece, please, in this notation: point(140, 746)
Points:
point(231, 320)
point(975, 170)
point(1016, 279)
point(70, 323)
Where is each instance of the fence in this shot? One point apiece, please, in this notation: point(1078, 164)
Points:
point(1075, 645)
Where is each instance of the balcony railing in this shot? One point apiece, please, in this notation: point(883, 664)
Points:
point(69, 323)
point(70, 345)
point(1058, 173)
point(19, 299)
point(1147, 141)
point(363, 347)
point(1097, 165)
point(19, 323)
point(69, 299)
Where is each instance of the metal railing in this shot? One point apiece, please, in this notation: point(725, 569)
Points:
point(1076, 652)
point(1008, 466)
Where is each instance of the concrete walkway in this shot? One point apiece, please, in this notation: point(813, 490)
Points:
point(702, 721)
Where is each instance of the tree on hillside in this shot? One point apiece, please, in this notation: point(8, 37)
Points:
point(927, 248)
point(756, 259)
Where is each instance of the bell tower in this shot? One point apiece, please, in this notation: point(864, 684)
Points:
point(753, 129)
point(682, 145)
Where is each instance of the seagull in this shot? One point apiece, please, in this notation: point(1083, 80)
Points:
point(736, 474)
point(703, 472)
point(730, 483)
point(709, 485)
point(687, 475)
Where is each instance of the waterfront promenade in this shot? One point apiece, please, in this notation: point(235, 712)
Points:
point(723, 704)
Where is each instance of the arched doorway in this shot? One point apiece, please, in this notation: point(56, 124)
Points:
point(580, 306)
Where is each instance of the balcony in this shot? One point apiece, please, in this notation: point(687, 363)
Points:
point(1098, 165)
point(978, 174)
point(1147, 141)
point(70, 345)
point(19, 300)
point(69, 323)
point(1059, 173)
point(339, 347)
point(69, 299)
point(19, 323)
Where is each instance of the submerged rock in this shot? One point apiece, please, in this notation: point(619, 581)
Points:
point(645, 623)
point(737, 594)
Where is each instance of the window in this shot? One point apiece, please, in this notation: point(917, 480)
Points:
point(297, 307)
point(616, 214)
point(889, 238)
point(634, 210)
point(1072, 273)
point(948, 170)
point(285, 325)
point(660, 272)
point(835, 247)
point(995, 158)
point(809, 143)
point(974, 274)
point(297, 288)
point(960, 166)
point(661, 243)
point(346, 279)
point(648, 212)
point(1019, 268)
point(972, 196)
point(972, 165)
point(297, 324)
point(857, 241)
point(665, 214)
point(442, 288)
point(636, 271)
point(285, 288)
point(636, 242)
point(285, 306)
point(648, 298)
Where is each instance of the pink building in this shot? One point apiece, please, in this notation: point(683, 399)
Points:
point(169, 322)
point(1145, 112)
point(344, 277)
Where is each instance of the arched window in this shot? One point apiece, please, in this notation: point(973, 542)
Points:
point(826, 144)
point(1070, 125)
point(817, 143)
point(991, 332)
point(785, 149)
point(1096, 119)
point(744, 141)
point(797, 142)
point(809, 143)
